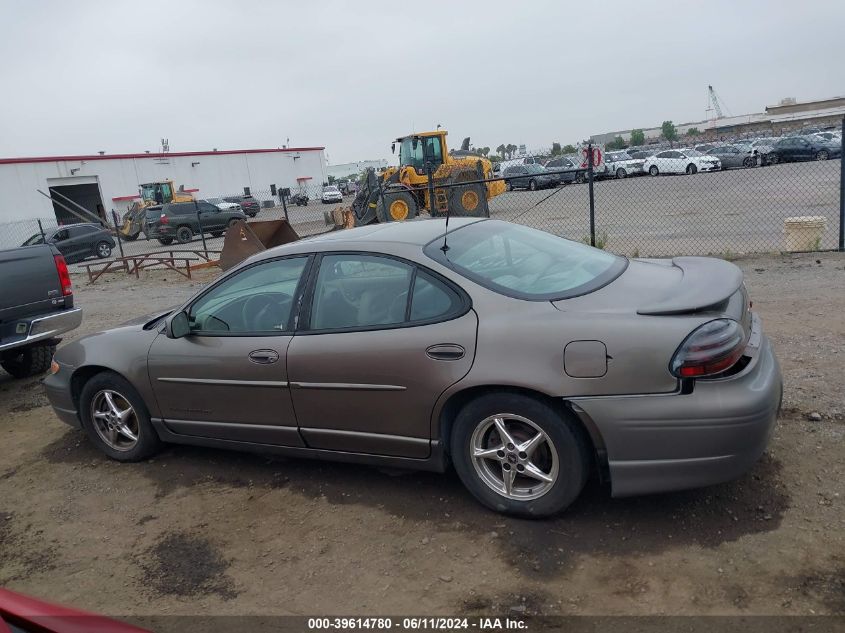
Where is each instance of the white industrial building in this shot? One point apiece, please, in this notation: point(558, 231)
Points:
point(347, 170)
point(102, 182)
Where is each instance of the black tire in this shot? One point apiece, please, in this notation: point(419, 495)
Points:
point(469, 201)
point(509, 186)
point(29, 361)
point(532, 185)
point(102, 250)
point(569, 441)
point(653, 170)
point(184, 234)
point(148, 441)
point(621, 173)
point(748, 161)
point(399, 205)
point(691, 169)
point(166, 241)
point(822, 155)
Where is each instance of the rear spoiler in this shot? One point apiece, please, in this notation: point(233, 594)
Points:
point(706, 283)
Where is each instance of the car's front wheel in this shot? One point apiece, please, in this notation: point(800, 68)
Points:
point(517, 455)
point(822, 155)
point(116, 419)
point(691, 169)
point(532, 185)
point(653, 170)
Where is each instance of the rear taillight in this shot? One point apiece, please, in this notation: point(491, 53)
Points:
point(710, 349)
point(164, 219)
point(64, 276)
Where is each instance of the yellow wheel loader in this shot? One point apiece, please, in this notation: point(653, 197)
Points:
point(152, 193)
point(460, 185)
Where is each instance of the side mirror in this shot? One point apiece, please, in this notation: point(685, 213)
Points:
point(178, 325)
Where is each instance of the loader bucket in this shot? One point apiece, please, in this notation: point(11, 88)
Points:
point(243, 240)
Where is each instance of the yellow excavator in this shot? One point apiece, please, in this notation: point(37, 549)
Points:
point(459, 185)
point(152, 193)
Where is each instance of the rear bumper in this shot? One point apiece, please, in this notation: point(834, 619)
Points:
point(660, 443)
point(45, 327)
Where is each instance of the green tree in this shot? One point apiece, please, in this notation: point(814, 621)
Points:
point(617, 143)
point(332, 179)
point(637, 137)
point(555, 149)
point(511, 149)
point(501, 150)
point(567, 149)
point(693, 131)
point(484, 151)
point(670, 132)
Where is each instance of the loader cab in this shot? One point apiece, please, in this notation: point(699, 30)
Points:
point(415, 151)
point(157, 192)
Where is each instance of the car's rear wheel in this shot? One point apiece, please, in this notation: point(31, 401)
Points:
point(748, 161)
point(621, 173)
point(691, 169)
point(509, 186)
point(29, 361)
point(116, 419)
point(517, 455)
point(653, 170)
point(103, 250)
point(532, 185)
point(822, 155)
point(184, 234)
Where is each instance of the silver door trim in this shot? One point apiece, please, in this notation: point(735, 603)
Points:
point(346, 386)
point(235, 383)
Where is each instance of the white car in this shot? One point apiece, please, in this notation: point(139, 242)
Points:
point(621, 165)
point(680, 161)
point(331, 194)
point(221, 204)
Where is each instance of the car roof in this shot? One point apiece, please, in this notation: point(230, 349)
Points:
point(414, 233)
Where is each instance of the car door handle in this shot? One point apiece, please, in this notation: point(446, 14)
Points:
point(264, 356)
point(445, 351)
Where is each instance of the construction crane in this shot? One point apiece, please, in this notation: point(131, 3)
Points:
point(713, 102)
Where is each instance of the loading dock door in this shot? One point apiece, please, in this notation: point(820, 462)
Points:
point(85, 194)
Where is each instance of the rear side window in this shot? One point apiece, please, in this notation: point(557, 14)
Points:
point(432, 298)
point(181, 209)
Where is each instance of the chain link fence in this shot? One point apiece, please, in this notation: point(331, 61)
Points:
point(768, 195)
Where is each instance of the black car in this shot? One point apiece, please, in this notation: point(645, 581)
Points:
point(803, 148)
point(531, 177)
point(77, 241)
point(562, 164)
point(250, 205)
point(182, 220)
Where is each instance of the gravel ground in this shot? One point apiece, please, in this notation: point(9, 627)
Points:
point(199, 531)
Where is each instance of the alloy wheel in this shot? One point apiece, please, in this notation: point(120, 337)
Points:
point(115, 420)
point(514, 457)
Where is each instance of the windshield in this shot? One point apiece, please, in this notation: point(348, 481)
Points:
point(427, 148)
point(525, 263)
point(534, 168)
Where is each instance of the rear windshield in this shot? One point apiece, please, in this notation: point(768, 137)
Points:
point(525, 263)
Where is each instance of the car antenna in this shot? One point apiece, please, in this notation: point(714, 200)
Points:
point(445, 246)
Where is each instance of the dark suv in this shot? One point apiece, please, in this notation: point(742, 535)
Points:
point(77, 241)
point(179, 221)
point(250, 205)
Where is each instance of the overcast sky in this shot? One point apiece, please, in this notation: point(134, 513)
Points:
point(114, 75)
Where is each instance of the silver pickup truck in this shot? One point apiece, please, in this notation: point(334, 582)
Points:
point(36, 305)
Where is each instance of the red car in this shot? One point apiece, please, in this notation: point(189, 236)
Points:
point(22, 614)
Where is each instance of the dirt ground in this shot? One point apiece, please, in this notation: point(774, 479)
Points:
point(199, 531)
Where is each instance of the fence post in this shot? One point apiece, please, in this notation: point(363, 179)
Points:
point(592, 198)
point(202, 233)
point(431, 204)
point(284, 204)
point(842, 192)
